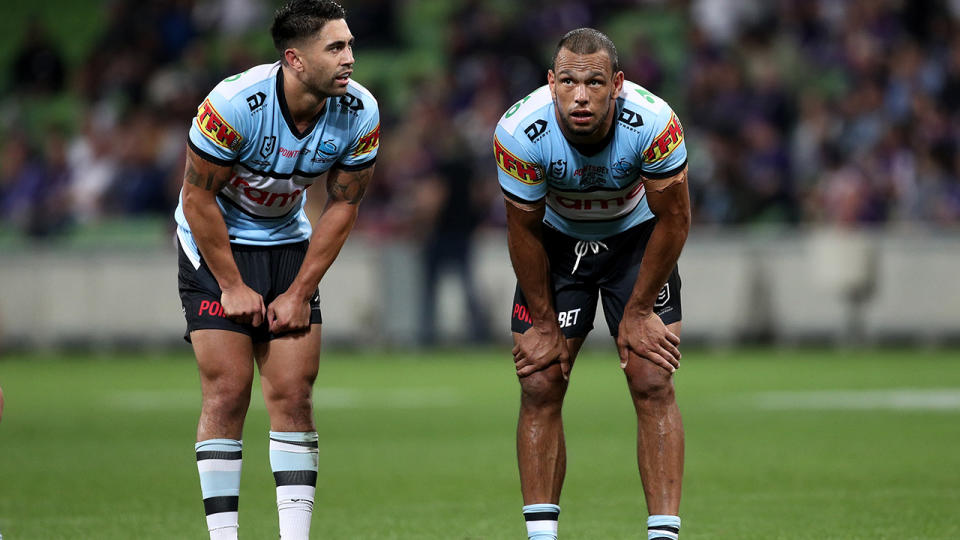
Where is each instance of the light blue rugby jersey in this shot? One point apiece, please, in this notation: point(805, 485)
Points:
point(589, 197)
point(245, 123)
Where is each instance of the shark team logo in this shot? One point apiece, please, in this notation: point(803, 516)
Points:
point(622, 169)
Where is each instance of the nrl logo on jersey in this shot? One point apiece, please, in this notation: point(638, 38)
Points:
point(267, 146)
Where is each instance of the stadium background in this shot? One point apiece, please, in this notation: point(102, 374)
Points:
point(826, 197)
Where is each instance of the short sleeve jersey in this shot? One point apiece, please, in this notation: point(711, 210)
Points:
point(591, 196)
point(244, 123)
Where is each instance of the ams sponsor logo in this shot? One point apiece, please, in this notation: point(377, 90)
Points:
point(368, 143)
point(596, 201)
point(666, 142)
point(524, 171)
point(215, 128)
point(263, 197)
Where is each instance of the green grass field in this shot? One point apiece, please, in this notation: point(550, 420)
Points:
point(780, 445)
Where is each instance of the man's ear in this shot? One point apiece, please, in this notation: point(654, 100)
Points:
point(292, 57)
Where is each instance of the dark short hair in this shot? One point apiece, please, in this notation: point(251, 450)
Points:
point(299, 19)
point(588, 41)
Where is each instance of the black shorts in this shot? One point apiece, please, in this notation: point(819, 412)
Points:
point(609, 272)
point(269, 270)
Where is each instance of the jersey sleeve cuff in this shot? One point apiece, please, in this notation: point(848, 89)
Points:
point(660, 175)
point(519, 199)
point(207, 157)
point(356, 166)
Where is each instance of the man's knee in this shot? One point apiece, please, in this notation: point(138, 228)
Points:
point(650, 383)
point(543, 389)
point(226, 401)
point(290, 394)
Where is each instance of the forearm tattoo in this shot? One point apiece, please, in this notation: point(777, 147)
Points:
point(205, 180)
point(349, 186)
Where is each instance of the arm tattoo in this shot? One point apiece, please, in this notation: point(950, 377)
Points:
point(349, 186)
point(195, 177)
point(204, 180)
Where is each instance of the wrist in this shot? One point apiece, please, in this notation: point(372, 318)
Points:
point(229, 284)
point(638, 310)
point(301, 292)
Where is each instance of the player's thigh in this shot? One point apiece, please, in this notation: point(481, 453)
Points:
point(289, 363)
point(225, 361)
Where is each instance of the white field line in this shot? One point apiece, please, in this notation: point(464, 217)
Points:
point(926, 399)
point(323, 398)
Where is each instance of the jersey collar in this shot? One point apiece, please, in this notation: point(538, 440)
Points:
point(285, 110)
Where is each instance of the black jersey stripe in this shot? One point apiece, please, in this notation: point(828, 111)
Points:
point(306, 444)
point(219, 454)
point(604, 220)
point(281, 176)
point(541, 516)
point(355, 167)
point(295, 478)
point(216, 505)
point(517, 198)
point(207, 157)
point(661, 175)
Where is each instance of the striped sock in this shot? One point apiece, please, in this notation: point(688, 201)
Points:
point(293, 458)
point(219, 461)
point(663, 527)
point(542, 520)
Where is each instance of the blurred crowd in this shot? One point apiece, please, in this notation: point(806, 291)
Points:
point(795, 111)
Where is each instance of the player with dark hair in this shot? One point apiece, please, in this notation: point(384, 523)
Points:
point(249, 264)
point(593, 169)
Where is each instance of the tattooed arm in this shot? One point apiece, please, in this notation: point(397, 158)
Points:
point(201, 182)
point(345, 189)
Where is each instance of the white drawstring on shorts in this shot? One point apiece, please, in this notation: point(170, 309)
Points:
point(585, 246)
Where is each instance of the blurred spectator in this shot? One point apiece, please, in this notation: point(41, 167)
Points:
point(797, 111)
point(38, 66)
point(453, 210)
point(33, 188)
